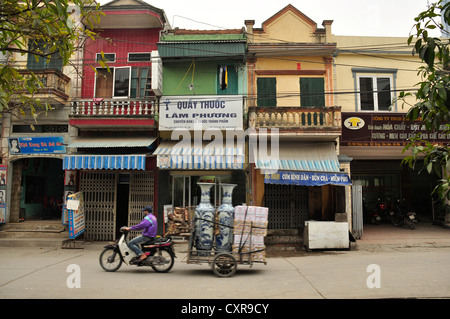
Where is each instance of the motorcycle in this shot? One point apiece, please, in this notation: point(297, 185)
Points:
point(160, 254)
point(383, 212)
point(403, 217)
point(371, 216)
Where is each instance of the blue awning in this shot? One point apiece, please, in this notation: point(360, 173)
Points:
point(307, 164)
point(200, 155)
point(113, 162)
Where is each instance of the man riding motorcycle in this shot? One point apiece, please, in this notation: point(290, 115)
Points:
point(149, 225)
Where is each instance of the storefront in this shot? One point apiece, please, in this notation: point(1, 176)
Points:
point(35, 178)
point(116, 184)
point(300, 181)
point(376, 143)
point(201, 140)
point(181, 167)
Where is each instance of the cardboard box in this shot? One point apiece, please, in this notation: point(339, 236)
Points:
point(261, 214)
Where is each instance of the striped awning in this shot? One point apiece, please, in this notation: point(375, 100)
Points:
point(113, 141)
point(98, 162)
point(308, 164)
point(200, 155)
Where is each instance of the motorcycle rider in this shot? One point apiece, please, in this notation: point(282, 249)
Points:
point(149, 226)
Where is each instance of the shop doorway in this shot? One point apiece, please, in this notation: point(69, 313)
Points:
point(37, 189)
point(288, 205)
point(186, 193)
point(114, 199)
point(123, 199)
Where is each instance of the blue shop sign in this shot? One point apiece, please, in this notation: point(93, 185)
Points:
point(37, 145)
point(307, 178)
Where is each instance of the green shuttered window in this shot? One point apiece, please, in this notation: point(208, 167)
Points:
point(312, 92)
point(267, 91)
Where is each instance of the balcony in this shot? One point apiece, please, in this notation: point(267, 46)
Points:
point(103, 113)
point(56, 85)
point(321, 123)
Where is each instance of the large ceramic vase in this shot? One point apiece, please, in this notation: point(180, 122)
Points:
point(224, 239)
point(204, 219)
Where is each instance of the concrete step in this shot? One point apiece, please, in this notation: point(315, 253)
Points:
point(33, 234)
point(32, 242)
point(283, 239)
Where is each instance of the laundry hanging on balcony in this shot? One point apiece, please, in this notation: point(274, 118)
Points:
point(223, 77)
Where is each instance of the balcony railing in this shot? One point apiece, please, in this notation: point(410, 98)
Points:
point(55, 83)
point(291, 118)
point(114, 107)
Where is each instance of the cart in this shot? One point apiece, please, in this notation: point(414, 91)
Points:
point(224, 263)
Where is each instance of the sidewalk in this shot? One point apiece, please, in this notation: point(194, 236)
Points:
point(425, 234)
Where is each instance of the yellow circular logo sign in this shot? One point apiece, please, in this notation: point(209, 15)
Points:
point(354, 123)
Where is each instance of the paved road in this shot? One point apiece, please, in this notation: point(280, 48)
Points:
point(416, 272)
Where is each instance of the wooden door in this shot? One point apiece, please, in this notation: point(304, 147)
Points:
point(104, 83)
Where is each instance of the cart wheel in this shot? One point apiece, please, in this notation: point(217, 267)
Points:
point(224, 265)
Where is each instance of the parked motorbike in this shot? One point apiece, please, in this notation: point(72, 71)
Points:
point(403, 217)
point(160, 252)
point(383, 211)
point(371, 216)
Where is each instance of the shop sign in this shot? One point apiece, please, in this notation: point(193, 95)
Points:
point(306, 178)
point(37, 145)
point(207, 112)
point(75, 209)
point(385, 129)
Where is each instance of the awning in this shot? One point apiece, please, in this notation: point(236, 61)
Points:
point(112, 141)
point(199, 155)
point(308, 164)
point(113, 162)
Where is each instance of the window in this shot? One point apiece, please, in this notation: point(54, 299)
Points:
point(109, 57)
point(375, 93)
point(49, 128)
point(139, 57)
point(267, 91)
point(141, 84)
point(35, 62)
point(122, 82)
point(312, 92)
point(374, 87)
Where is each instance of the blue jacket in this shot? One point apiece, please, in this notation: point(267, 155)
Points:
point(148, 224)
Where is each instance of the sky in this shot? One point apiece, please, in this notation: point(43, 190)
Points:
point(351, 17)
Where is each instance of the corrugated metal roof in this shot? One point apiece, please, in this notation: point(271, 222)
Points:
point(305, 157)
point(201, 49)
point(108, 142)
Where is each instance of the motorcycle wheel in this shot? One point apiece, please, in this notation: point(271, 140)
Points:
point(110, 260)
point(169, 258)
point(397, 221)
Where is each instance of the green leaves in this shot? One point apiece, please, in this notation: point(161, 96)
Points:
point(432, 105)
point(56, 26)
